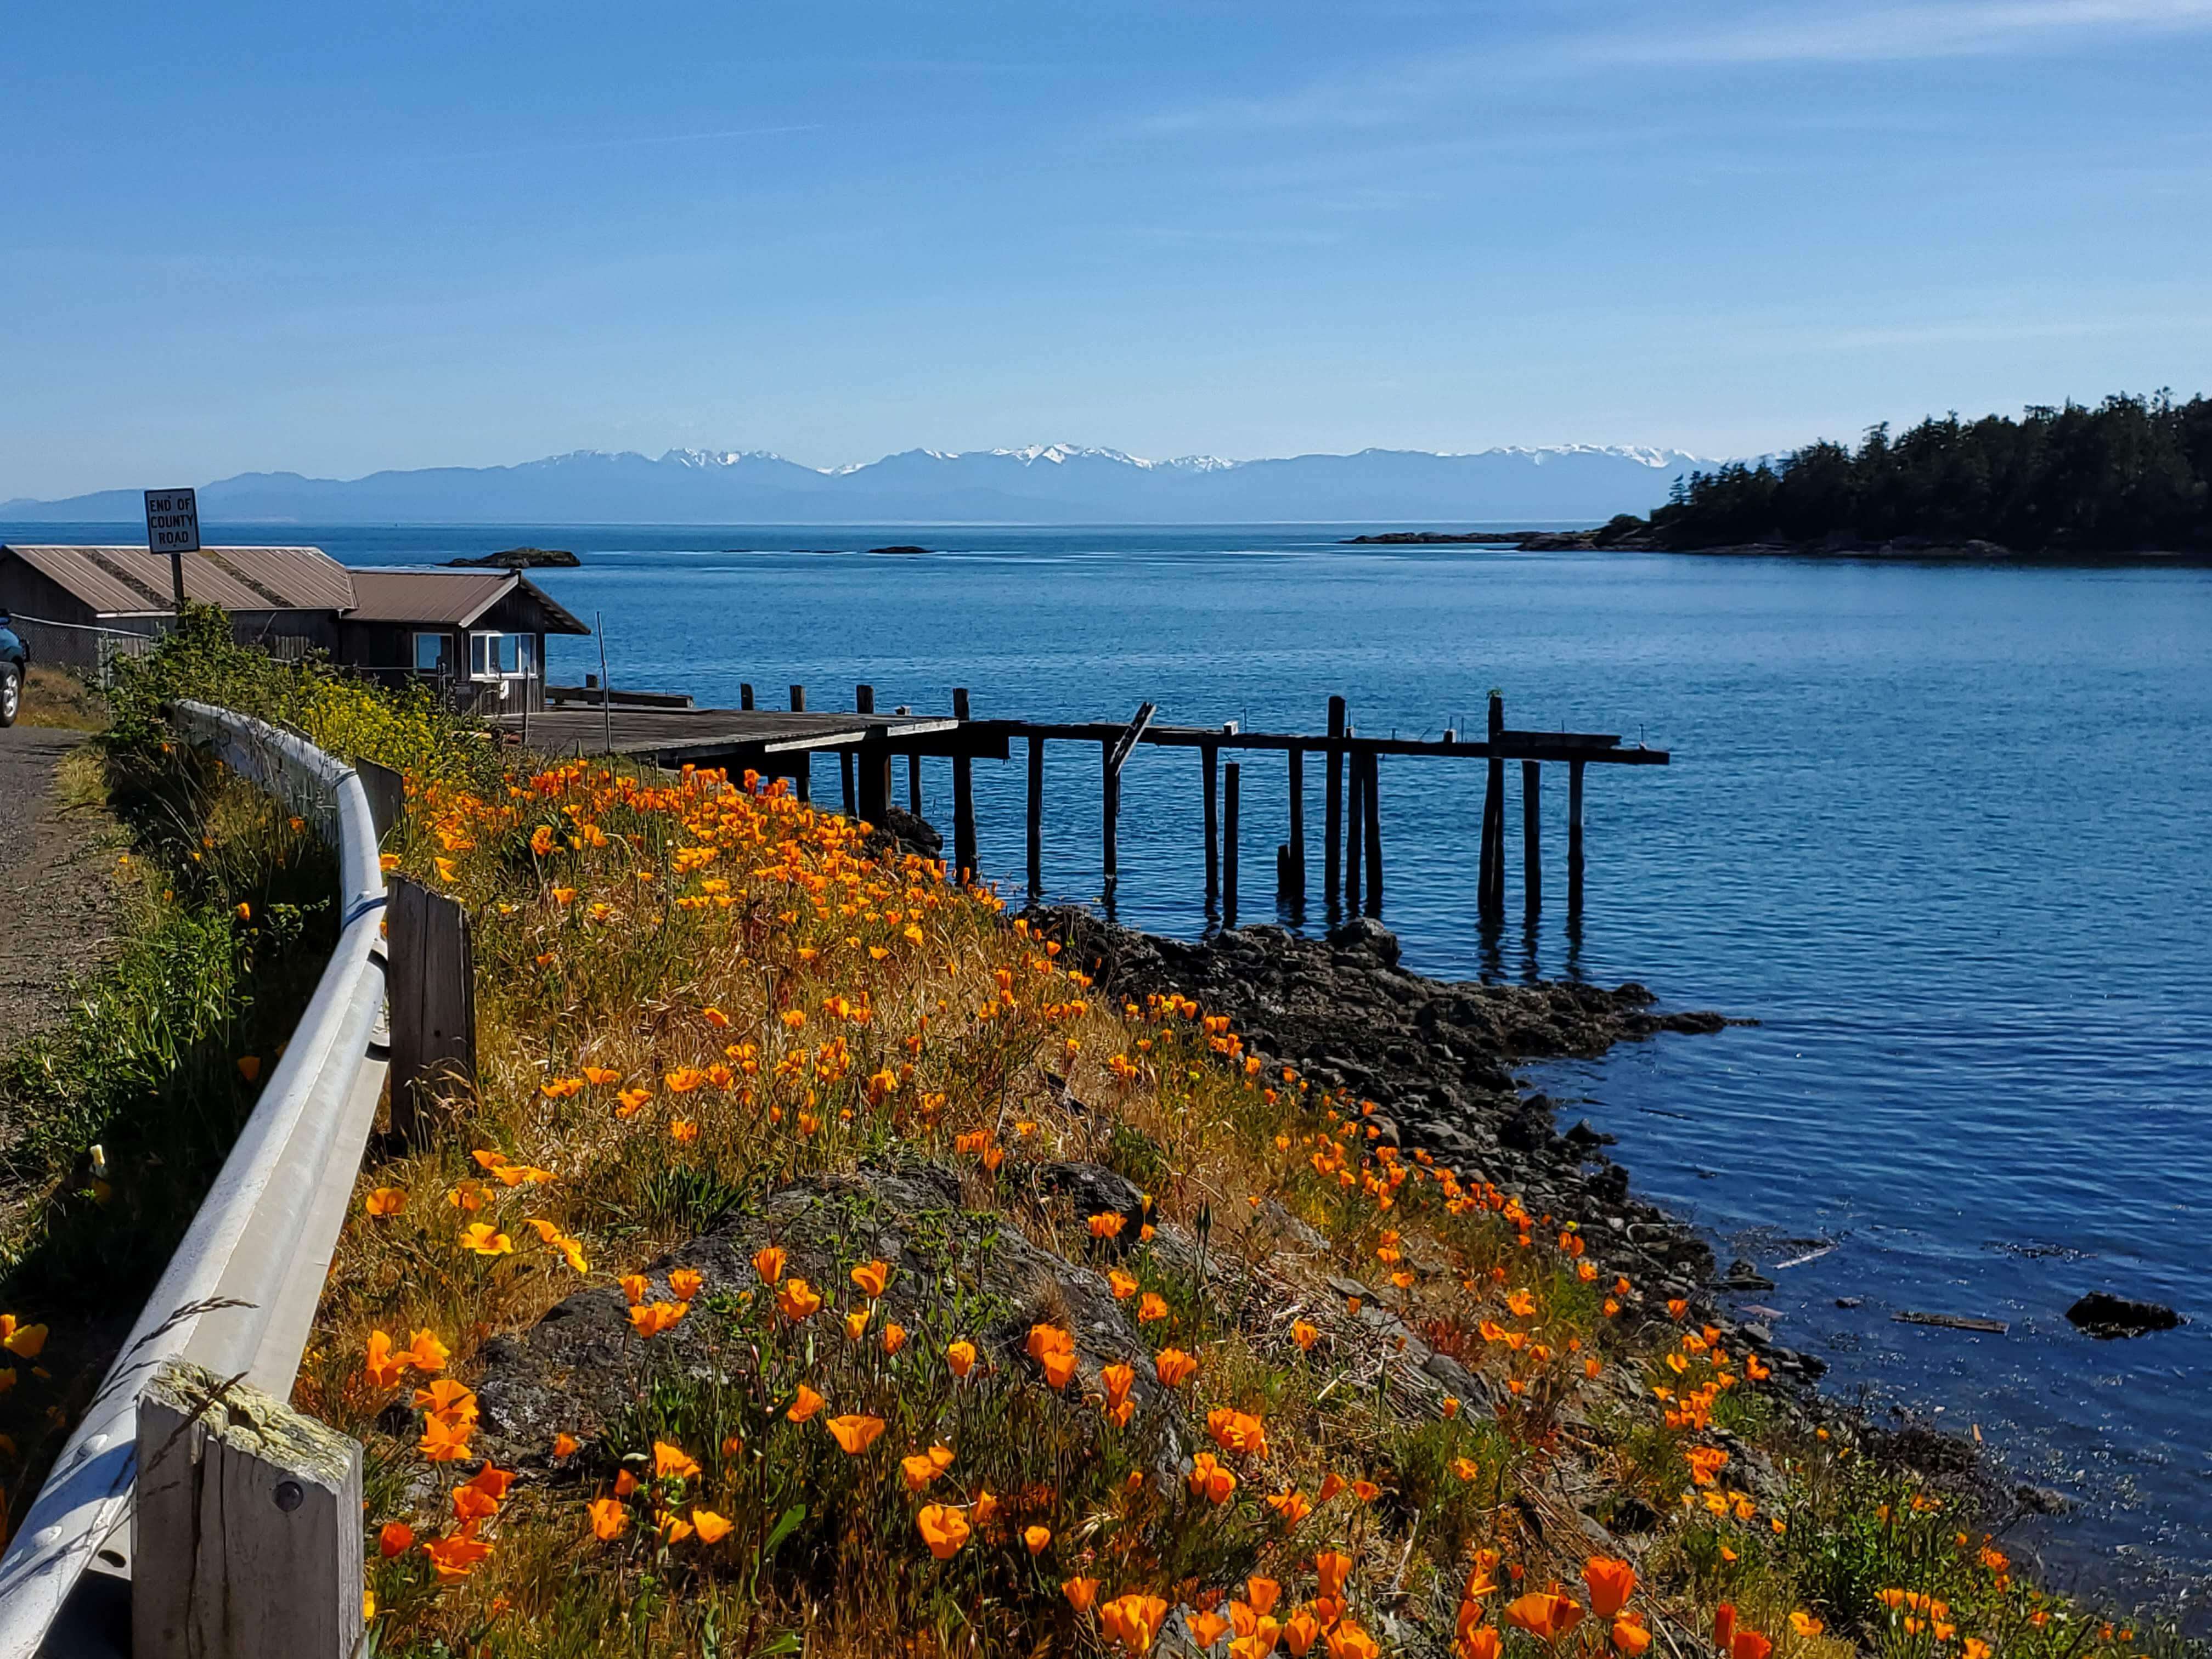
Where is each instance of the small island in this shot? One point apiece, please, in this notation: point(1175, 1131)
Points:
point(520, 558)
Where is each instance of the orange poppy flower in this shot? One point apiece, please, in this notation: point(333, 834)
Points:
point(1081, 1593)
point(1544, 1613)
point(685, 1284)
point(443, 1442)
point(894, 1337)
point(1124, 1284)
point(426, 1353)
point(1332, 1568)
point(1611, 1583)
point(564, 1445)
point(856, 1324)
point(1348, 1641)
point(448, 1400)
point(1133, 1620)
point(1750, 1645)
point(609, 1517)
point(1291, 1505)
point(872, 1277)
point(944, 1528)
point(1301, 1630)
point(393, 1539)
point(456, 1557)
point(1150, 1309)
point(856, 1433)
point(385, 1201)
point(797, 1300)
point(1173, 1367)
point(1206, 1629)
point(635, 1287)
point(1108, 1224)
point(382, 1369)
point(917, 1471)
point(1036, 1540)
point(1629, 1637)
point(672, 1462)
point(484, 1239)
point(652, 1318)
point(961, 1357)
point(1305, 1335)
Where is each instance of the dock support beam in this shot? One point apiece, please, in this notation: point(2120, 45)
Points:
point(964, 801)
point(1333, 808)
point(1489, 878)
point(1355, 778)
point(1229, 837)
point(875, 765)
point(1207, 757)
point(1575, 837)
point(1374, 809)
point(745, 696)
point(1109, 818)
point(1036, 817)
point(1295, 887)
point(802, 781)
point(1532, 835)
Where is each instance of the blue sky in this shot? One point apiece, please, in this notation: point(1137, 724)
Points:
point(243, 236)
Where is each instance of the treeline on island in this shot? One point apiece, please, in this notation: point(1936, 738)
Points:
point(2134, 474)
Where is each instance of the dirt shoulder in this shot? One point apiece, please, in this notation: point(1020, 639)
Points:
point(57, 904)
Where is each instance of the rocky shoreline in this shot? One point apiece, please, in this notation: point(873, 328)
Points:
point(1437, 1058)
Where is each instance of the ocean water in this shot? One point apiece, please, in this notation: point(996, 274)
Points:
point(1941, 829)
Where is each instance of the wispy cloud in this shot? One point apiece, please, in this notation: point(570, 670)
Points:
point(636, 141)
point(1388, 94)
point(1894, 32)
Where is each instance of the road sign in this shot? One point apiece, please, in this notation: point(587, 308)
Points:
point(173, 526)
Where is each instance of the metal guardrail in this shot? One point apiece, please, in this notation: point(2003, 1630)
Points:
point(239, 1296)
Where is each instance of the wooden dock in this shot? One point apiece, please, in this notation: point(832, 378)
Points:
point(784, 742)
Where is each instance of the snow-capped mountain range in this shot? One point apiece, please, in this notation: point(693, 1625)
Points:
point(1041, 483)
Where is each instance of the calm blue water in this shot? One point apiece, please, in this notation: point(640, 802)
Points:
point(1940, 829)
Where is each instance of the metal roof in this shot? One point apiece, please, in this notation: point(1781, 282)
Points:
point(131, 582)
point(454, 598)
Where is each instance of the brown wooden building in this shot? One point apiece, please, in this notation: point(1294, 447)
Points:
point(478, 636)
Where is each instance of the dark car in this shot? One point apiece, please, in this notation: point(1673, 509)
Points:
point(14, 664)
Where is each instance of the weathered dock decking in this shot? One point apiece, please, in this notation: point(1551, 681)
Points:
point(783, 742)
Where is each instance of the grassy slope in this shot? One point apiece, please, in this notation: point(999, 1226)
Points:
point(694, 996)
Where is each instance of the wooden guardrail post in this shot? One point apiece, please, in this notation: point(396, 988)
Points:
point(248, 1526)
point(431, 991)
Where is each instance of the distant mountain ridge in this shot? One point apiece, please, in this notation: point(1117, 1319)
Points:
point(1041, 483)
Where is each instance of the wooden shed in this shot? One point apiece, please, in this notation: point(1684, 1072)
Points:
point(478, 635)
point(82, 606)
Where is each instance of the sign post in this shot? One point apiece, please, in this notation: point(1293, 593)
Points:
point(173, 526)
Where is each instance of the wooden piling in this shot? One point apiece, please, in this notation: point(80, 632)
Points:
point(1229, 792)
point(963, 801)
point(1374, 809)
point(1354, 819)
point(1294, 885)
point(1575, 836)
point(1532, 835)
point(1109, 818)
point(874, 763)
point(802, 779)
point(845, 777)
point(1333, 808)
point(1208, 758)
point(913, 784)
point(1490, 878)
point(1037, 817)
point(745, 695)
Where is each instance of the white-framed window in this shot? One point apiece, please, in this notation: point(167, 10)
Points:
point(500, 656)
point(430, 653)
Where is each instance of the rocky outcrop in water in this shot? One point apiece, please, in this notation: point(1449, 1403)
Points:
point(2101, 1314)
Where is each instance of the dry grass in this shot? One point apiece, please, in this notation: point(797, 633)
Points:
point(696, 994)
point(55, 697)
